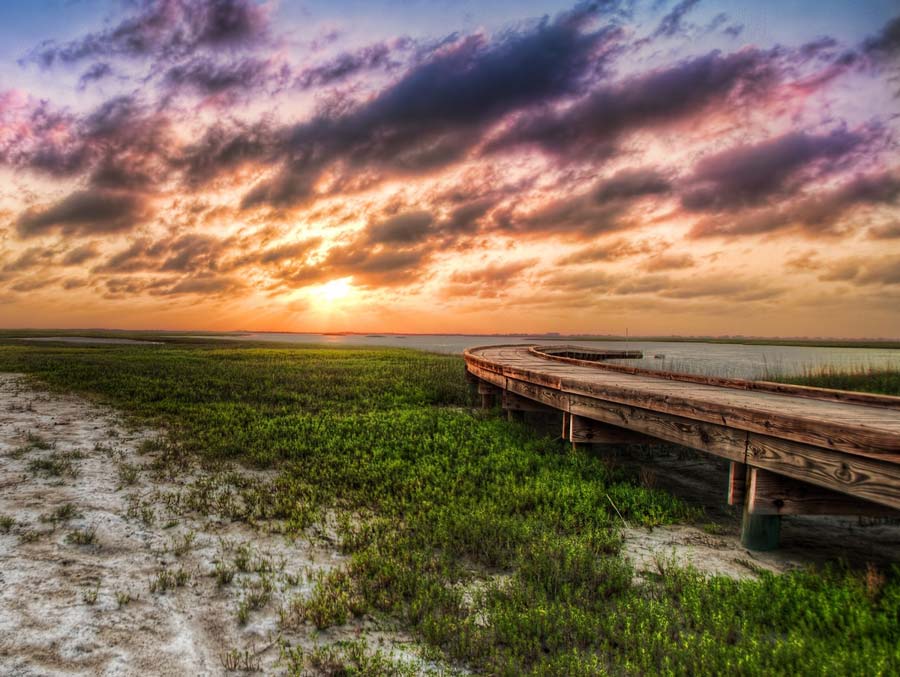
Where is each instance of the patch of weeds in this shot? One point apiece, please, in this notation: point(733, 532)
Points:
point(169, 580)
point(182, 544)
point(89, 595)
point(152, 445)
point(237, 660)
point(140, 510)
point(56, 465)
point(6, 523)
point(85, 536)
point(346, 658)
point(256, 595)
point(333, 601)
point(243, 557)
point(128, 474)
point(32, 535)
point(123, 598)
point(714, 529)
point(223, 574)
point(63, 513)
point(35, 441)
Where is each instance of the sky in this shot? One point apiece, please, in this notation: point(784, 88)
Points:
point(692, 167)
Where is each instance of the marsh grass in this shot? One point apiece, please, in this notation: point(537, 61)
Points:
point(33, 442)
point(85, 536)
point(347, 658)
point(237, 660)
point(128, 474)
point(861, 379)
point(497, 547)
point(168, 579)
point(56, 465)
point(63, 513)
point(89, 595)
point(123, 598)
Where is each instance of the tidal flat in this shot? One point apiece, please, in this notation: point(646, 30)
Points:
point(312, 510)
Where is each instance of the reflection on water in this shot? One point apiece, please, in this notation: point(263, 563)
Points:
point(707, 359)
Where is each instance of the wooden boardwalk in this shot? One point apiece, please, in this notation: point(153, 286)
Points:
point(793, 450)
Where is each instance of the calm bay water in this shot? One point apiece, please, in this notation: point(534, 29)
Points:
point(734, 360)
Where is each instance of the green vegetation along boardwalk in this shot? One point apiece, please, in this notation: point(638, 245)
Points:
point(793, 449)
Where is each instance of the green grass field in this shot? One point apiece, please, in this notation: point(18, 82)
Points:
point(496, 547)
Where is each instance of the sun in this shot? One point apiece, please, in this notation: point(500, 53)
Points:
point(332, 292)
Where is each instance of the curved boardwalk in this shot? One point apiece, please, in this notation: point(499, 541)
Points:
point(793, 449)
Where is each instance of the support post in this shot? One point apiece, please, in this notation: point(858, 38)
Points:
point(472, 382)
point(758, 532)
point(488, 394)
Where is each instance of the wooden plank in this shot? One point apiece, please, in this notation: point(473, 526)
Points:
point(870, 479)
point(737, 483)
point(586, 431)
point(773, 494)
point(513, 402)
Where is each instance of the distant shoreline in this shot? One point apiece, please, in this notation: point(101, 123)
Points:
point(868, 343)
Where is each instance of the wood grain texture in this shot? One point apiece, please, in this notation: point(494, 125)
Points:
point(737, 483)
point(513, 402)
point(587, 431)
point(773, 494)
point(866, 478)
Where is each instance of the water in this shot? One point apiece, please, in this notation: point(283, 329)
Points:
point(707, 359)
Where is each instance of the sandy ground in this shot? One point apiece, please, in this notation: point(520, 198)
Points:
point(61, 602)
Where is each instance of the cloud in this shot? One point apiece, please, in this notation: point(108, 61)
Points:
point(288, 251)
point(602, 209)
point(405, 228)
point(438, 109)
point(666, 261)
point(86, 212)
point(206, 286)
point(377, 56)
point(607, 251)
point(888, 231)
point(673, 23)
point(30, 258)
point(750, 174)
point(81, 254)
point(886, 44)
point(632, 183)
point(166, 29)
point(662, 96)
point(121, 142)
point(207, 77)
point(96, 72)
point(492, 281)
point(882, 271)
point(821, 212)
